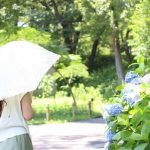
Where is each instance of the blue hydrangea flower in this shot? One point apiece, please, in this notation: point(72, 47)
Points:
point(110, 135)
point(131, 98)
point(113, 109)
point(106, 146)
point(130, 77)
point(131, 94)
point(146, 78)
point(129, 88)
point(136, 81)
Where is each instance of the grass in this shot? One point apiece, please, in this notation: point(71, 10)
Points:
point(61, 110)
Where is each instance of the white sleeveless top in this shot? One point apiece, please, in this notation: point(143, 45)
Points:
point(12, 122)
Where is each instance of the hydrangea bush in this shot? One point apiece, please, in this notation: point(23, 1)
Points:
point(128, 118)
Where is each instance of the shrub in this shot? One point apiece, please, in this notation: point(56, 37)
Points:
point(46, 88)
point(128, 117)
point(86, 93)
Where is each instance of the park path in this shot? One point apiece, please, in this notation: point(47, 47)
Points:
point(81, 135)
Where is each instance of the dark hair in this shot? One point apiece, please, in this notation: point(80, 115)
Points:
point(1, 106)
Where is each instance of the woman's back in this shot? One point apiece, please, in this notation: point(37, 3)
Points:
point(12, 122)
point(14, 133)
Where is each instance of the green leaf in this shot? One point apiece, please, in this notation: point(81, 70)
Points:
point(123, 135)
point(112, 124)
point(120, 87)
point(146, 116)
point(124, 148)
point(126, 145)
point(141, 146)
point(136, 137)
point(140, 59)
point(117, 136)
point(123, 119)
point(145, 129)
point(113, 146)
point(136, 119)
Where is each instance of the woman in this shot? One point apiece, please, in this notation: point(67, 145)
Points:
point(14, 112)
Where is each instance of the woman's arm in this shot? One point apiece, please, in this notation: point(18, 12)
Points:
point(26, 105)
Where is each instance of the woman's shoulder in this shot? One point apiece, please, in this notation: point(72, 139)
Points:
point(17, 97)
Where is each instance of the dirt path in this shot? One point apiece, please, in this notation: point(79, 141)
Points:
point(83, 135)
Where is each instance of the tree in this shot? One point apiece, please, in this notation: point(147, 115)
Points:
point(10, 11)
point(94, 26)
point(140, 29)
point(69, 74)
point(121, 12)
point(116, 44)
point(59, 18)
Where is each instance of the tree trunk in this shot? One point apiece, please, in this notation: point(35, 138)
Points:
point(75, 43)
point(67, 36)
point(93, 54)
point(47, 113)
point(67, 27)
point(116, 49)
point(127, 48)
point(128, 53)
point(74, 104)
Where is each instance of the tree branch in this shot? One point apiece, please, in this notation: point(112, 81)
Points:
point(57, 14)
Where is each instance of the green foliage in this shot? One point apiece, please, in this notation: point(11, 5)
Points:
point(140, 30)
point(46, 88)
point(70, 71)
point(39, 37)
point(8, 15)
point(29, 34)
point(87, 93)
point(104, 79)
point(92, 11)
point(142, 65)
point(131, 126)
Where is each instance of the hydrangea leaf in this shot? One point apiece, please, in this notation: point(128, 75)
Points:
point(123, 119)
point(141, 146)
